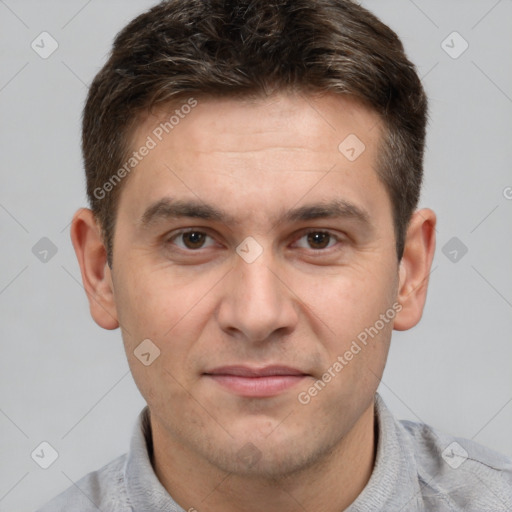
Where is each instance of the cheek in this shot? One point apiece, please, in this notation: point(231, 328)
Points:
point(346, 302)
point(158, 307)
point(173, 313)
point(159, 304)
point(347, 319)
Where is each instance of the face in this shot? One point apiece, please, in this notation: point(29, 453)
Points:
point(255, 253)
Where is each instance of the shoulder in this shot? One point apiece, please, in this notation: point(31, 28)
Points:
point(103, 489)
point(459, 473)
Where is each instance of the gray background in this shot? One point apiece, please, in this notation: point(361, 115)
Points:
point(65, 381)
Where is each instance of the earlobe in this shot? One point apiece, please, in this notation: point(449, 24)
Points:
point(414, 270)
point(96, 277)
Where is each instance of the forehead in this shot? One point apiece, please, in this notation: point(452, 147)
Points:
point(310, 121)
point(255, 154)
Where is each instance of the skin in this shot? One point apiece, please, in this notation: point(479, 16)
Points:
point(298, 304)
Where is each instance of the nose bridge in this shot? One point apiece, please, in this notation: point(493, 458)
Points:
point(256, 303)
point(260, 284)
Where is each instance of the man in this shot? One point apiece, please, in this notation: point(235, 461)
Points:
point(254, 170)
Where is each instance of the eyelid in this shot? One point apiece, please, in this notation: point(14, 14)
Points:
point(306, 231)
point(173, 235)
point(170, 238)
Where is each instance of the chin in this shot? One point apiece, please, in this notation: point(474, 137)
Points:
point(270, 457)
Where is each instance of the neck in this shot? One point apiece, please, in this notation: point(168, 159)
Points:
point(330, 485)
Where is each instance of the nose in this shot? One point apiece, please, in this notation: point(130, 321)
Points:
point(257, 305)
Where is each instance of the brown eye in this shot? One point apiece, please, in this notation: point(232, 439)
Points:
point(318, 239)
point(193, 239)
point(191, 245)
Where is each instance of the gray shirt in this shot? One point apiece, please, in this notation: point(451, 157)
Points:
point(417, 469)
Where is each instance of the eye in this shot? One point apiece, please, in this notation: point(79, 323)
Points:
point(192, 240)
point(317, 240)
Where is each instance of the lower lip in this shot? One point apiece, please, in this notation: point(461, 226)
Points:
point(257, 386)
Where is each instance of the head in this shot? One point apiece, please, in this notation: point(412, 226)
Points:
point(253, 170)
point(183, 49)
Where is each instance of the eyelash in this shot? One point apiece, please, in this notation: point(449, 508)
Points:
point(334, 237)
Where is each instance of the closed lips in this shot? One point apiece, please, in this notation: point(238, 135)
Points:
point(244, 371)
point(256, 382)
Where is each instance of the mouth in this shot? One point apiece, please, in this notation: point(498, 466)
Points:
point(256, 382)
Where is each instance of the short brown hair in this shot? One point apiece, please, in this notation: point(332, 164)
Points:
point(248, 47)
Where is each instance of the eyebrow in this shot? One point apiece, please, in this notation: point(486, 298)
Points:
point(338, 208)
point(169, 208)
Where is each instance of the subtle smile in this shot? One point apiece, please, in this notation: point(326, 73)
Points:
point(257, 383)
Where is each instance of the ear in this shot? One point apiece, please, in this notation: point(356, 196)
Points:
point(96, 276)
point(414, 268)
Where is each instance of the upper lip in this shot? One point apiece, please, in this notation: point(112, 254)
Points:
point(246, 371)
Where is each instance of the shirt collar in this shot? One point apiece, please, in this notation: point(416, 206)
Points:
point(144, 490)
point(394, 483)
